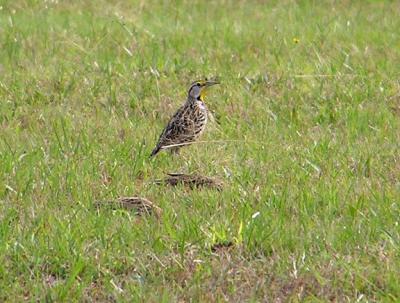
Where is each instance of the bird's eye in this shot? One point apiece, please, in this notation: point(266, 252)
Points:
point(198, 84)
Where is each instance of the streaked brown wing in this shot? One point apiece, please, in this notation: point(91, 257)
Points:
point(180, 128)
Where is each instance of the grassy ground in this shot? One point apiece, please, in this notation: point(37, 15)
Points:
point(310, 91)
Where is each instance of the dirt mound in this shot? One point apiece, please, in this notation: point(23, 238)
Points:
point(191, 181)
point(141, 206)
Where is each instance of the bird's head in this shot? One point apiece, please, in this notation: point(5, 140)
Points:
point(198, 88)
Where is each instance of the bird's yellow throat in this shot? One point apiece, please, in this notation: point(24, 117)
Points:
point(202, 94)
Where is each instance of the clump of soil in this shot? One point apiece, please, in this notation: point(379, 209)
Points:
point(191, 181)
point(222, 246)
point(141, 206)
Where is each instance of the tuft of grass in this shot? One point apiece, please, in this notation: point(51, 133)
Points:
point(308, 123)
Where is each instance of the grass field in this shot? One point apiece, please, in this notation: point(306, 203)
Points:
point(308, 122)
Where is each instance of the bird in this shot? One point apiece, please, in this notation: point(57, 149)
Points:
point(189, 121)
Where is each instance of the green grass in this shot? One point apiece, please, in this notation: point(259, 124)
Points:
point(312, 190)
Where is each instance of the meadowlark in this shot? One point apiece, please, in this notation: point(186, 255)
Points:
point(189, 121)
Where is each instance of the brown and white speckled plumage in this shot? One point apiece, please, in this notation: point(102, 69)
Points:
point(189, 121)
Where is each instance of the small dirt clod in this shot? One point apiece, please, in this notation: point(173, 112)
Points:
point(222, 246)
point(142, 206)
point(191, 181)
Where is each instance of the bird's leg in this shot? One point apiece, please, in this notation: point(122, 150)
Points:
point(174, 151)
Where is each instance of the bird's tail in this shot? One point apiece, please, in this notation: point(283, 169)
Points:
point(155, 151)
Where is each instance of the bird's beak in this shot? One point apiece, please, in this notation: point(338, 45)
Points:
point(211, 83)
